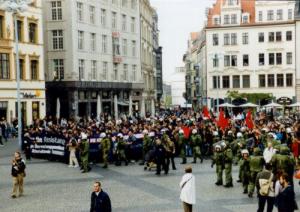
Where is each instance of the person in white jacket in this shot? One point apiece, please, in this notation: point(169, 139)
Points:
point(188, 190)
point(269, 152)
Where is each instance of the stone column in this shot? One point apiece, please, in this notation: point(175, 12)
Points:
point(116, 106)
point(99, 106)
point(152, 107)
point(130, 105)
point(143, 107)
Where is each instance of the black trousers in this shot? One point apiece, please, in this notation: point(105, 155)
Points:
point(262, 201)
point(161, 163)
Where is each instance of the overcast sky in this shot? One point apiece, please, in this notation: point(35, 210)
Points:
point(177, 18)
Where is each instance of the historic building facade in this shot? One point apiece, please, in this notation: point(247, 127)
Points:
point(31, 58)
point(251, 49)
point(93, 57)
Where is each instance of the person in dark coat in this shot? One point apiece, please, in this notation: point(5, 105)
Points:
point(100, 201)
point(160, 157)
point(286, 198)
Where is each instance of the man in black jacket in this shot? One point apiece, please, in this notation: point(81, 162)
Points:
point(100, 201)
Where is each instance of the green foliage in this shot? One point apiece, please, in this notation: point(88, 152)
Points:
point(251, 97)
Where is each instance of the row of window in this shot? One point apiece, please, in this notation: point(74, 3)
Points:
point(5, 68)
point(263, 80)
point(120, 72)
point(231, 38)
point(103, 17)
point(58, 43)
point(32, 30)
point(274, 59)
point(271, 15)
point(232, 18)
point(269, 80)
point(235, 81)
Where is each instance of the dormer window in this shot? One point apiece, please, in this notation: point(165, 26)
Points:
point(232, 2)
point(245, 18)
point(226, 19)
point(233, 19)
point(216, 20)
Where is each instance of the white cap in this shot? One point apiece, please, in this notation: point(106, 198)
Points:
point(264, 129)
point(83, 136)
point(194, 131)
point(288, 130)
point(245, 151)
point(243, 129)
point(239, 135)
point(215, 133)
point(120, 135)
point(102, 135)
point(181, 131)
point(145, 131)
point(229, 132)
point(217, 146)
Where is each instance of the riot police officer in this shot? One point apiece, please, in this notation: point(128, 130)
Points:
point(218, 159)
point(196, 142)
point(105, 147)
point(256, 164)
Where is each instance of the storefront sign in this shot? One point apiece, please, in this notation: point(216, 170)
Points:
point(28, 95)
point(284, 101)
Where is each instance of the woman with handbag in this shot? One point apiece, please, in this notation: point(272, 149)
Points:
point(188, 190)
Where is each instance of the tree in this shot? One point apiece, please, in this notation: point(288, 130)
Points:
point(251, 97)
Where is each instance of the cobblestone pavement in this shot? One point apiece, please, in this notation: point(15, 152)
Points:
point(52, 186)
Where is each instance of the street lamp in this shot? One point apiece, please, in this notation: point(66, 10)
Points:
point(217, 57)
point(16, 7)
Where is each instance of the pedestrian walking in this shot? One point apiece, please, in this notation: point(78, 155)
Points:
point(188, 190)
point(18, 174)
point(100, 201)
point(266, 189)
point(286, 198)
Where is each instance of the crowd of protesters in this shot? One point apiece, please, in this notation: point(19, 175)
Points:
point(254, 141)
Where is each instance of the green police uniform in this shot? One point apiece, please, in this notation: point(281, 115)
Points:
point(218, 159)
point(245, 173)
point(256, 164)
point(105, 146)
point(84, 154)
point(121, 156)
point(228, 157)
point(196, 142)
point(146, 146)
point(182, 144)
point(283, 161)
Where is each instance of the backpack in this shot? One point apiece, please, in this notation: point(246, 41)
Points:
point(265, 186)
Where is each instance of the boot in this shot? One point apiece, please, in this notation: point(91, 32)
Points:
point(245, 191)
point(250, 195)
point(195, 160)
point(219, 183)
point(105, 166)
point(201, 160)
point(183, 161)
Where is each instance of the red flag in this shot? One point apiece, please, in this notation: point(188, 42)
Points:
point(186, 132)
point(205, 113)
point(222, 122)
point(249, 121)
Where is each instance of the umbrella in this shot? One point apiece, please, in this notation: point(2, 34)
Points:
point(57, 108)
point(226, 105)
point(249, 104)
point(273, 105)
point(297, 104)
